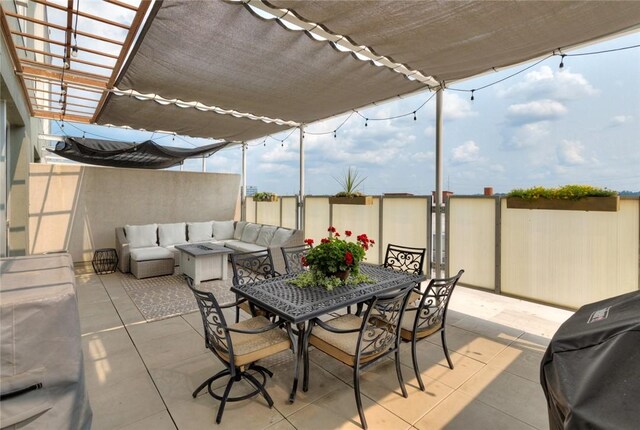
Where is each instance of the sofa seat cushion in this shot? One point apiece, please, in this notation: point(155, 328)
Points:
point(151, 253)
point(141, 236)
point(172, 234)
point(176, 253)
point(200, 231)
point(240, 246)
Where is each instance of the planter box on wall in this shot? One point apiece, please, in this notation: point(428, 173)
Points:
point(603, 204)
point(270, 199)
point(361, 200)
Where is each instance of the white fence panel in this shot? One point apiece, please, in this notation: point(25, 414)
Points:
point(405, 223)
point(360, 219)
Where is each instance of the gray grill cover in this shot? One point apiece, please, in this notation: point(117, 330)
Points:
point(591, 370)
point(40, 344)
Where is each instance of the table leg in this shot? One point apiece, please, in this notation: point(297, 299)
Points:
point(224, 267)
point(296, 372)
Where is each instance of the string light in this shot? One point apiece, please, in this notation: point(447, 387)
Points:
point(472, 98)
point(366, 122)
point(562, 60)
point(415, 118)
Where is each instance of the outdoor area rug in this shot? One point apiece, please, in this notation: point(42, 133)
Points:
point(166, 296)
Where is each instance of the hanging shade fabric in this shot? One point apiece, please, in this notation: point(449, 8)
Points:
point(145, 155)
point(223, 55)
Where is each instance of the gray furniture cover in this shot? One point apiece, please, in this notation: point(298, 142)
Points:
point(590, 373)
point(41, 368)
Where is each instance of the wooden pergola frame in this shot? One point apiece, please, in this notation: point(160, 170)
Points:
point(36, 70)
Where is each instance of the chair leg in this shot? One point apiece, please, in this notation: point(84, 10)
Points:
point(399, 372)
point(205, 383)
point(356, 389)
point(414, 356)
point(260, 387)
point(223, 402)
point(446, 349)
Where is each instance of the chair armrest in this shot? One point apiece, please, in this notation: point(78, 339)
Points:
point(233, 304)
point(258, 330)
point(332, 329)
point(122, 249)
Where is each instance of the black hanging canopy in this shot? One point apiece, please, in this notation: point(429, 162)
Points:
point(145, 155)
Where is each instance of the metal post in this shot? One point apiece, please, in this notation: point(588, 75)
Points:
point(300, 215)
point(439, 123)
point(243, 187)
point(204, 164)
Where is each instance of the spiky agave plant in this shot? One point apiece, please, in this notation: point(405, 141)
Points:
point(350, 183)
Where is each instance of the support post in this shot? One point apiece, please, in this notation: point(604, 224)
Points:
point(243, 187)
point(300, 205)
point(204, 163)
point(438, 239)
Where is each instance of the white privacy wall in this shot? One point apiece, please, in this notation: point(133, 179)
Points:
point(472, 232)
point(570, 258)
point(405, 222)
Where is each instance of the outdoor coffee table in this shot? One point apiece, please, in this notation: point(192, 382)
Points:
point(204, 261)
point(299, 305)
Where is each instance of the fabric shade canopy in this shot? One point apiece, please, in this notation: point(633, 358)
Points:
point(222, 54)
point(145, 155)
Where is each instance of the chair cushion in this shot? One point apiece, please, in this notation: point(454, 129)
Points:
point(265, 235)
point(237, 234)
point(200, 231)
point(408, 319)
point(223, 230)
point(172, 234)
point(249, 348)
point(151, 253)
point(238, 245)
point(251, 232)
point(141, 236)
point(281, 236)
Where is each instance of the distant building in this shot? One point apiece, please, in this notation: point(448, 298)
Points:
point(251, 190)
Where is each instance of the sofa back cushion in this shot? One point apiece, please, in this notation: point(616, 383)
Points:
point(281, 236)
point(200, 231)
point(172, 234)
point(237, 234)
point(223, 230)
point(250, 232)
point(265, 235)
point(140, 236)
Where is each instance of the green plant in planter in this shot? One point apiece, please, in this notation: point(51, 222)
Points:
point(567, 192)
point(264, 197)
point(350, 183)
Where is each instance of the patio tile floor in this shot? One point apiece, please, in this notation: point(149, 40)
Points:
point(140, 374)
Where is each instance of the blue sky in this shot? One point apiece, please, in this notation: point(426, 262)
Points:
point(547, 126)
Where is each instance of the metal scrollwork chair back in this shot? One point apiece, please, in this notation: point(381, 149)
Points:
point(359, 341)
point(293, 257)
point(239, 363)
point(429, 317)
point(405, 258)
point(251, 267)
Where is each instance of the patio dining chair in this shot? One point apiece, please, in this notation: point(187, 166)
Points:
point(251, 267)
point(238, 347)
point(293, 257)
point(359, 341)
point(428, 317)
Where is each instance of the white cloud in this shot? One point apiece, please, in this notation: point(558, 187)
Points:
point(571, 152)
point(282, 169)
point(280, 153)
point(537, 110)
point(527, 135)
point(466, 153)
point(456, 107)
point(430, 131)
point(549, 83)
point(619, 120)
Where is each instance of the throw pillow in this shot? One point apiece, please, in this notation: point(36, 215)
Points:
point(265, 235)
point(223, 230)
point(200, 231)
point(281, 236)
point(239, 229)
point(250, 232)
point(140, 236)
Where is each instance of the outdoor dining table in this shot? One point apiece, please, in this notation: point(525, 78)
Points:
point(299, 305)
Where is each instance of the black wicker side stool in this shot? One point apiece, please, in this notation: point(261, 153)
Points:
point(105, 260)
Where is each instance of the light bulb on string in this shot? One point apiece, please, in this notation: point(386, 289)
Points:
point(366, 122)
point(472, 97)
point(335, 134)
point(562, 61)
point(415, 118)
point(74, 51)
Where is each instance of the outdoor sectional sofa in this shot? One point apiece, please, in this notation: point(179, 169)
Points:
point(149, 250)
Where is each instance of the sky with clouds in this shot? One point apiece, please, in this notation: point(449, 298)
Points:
point(546, 126)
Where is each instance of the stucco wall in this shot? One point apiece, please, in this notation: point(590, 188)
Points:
point(77, 208)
